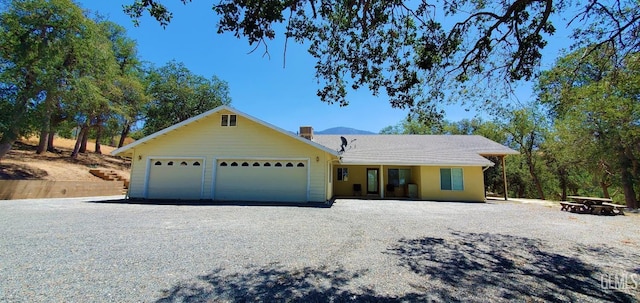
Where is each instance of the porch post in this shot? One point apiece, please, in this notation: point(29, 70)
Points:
point(382, 187)
point(504, 177)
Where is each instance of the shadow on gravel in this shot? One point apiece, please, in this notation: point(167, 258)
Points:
point(277, 284)
point(497, 267)
point(211, 203)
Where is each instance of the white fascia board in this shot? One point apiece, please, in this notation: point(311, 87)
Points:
point(489, 163)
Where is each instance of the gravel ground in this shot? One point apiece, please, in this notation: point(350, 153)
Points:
point(89, 250)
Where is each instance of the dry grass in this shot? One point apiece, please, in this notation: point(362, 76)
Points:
point(22, 163)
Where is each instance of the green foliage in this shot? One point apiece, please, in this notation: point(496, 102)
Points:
point(597, 112)
point(418, 53)
point(61, 70)
point(42, 48)
point(412, 125)
point(177, 95)
point(137, 134)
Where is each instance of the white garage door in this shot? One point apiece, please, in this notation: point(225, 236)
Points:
point(175, 179)
point(250, 180)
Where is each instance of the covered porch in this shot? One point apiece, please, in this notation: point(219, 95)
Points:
point(376, 181)
point(436, 183)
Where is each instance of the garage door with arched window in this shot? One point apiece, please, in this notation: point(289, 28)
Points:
point(261, 180)
point(175, 179)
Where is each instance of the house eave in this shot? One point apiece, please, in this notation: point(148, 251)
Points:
point(386, 163)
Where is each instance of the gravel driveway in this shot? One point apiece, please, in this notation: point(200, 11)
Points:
point(88, 250)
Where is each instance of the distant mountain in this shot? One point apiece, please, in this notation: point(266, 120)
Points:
point(341, 130)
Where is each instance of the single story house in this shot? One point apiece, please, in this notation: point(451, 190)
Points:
point(226, 155)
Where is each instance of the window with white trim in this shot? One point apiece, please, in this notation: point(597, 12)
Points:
point(343, 174)
point(228, 120)
point(451, 179)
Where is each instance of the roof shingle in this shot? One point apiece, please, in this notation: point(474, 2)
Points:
point(428, 150)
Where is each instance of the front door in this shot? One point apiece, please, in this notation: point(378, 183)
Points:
point(372, 181)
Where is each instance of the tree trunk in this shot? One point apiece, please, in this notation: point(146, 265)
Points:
point(81, 135)
point(46, 123)
point(533, 174)
point(83, 139)
point(42, 142)
point(605, 189)
point(8, 138)
point(97, 149)
point(125, 132)
point(6, 143)
point(563, 179)
point(50, 147)
point(629, 194)
point(627, 180)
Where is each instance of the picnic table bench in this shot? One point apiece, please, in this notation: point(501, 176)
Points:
point(616, 209)
point(574, 207)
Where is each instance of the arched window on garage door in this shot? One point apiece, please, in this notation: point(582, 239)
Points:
point(300, 164)
point(223, 164)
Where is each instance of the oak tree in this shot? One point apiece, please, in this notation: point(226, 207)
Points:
point(419, 53)
point(597, 109)
point(177, 95)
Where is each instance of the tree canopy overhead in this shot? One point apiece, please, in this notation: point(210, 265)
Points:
point(414, 51)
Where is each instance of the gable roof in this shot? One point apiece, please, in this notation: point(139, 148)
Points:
point(455, 150)
point(127, 148)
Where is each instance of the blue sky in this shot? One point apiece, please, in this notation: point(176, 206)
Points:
point(259, 86)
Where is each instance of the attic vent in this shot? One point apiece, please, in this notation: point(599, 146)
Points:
point(306, 132)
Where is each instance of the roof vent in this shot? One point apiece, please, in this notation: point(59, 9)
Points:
point(306, 132)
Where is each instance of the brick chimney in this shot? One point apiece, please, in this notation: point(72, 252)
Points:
point(306, 132)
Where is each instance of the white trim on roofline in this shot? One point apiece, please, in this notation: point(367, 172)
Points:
point(417, 164)
point(211, 112)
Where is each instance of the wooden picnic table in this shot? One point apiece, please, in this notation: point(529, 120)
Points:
point(594, 205)
point(590, 200)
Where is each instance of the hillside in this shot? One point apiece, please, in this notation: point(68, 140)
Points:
point(22, 162)
point(341, 130)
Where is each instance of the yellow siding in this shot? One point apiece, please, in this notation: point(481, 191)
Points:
point(357, 175)
point(206, 138)
point(330, 181)
point(416, 177)
point(429, 186)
